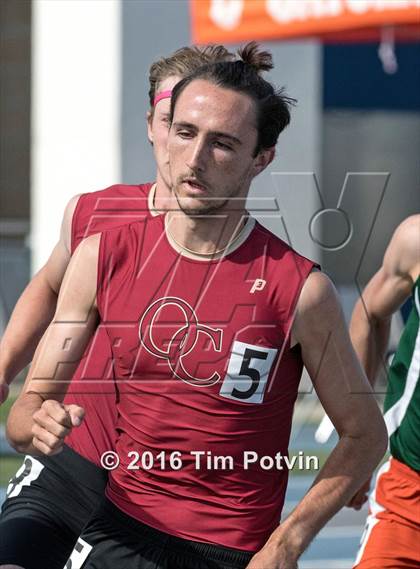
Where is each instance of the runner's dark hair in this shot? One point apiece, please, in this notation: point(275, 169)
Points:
point(244, 76)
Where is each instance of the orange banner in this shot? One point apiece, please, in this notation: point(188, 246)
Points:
point(227, 21)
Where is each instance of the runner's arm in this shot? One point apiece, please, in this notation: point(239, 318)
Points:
point(35, 308)
point(344, 391)
point(384, 294)
point(31, 428)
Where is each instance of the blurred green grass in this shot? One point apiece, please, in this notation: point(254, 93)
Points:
point(8, 467)
point(5, 408)
point(8, 464)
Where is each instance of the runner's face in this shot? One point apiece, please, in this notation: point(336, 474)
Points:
point(158, 128)
point(211, 145)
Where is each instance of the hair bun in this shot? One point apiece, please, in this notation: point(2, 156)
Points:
point(252, 55)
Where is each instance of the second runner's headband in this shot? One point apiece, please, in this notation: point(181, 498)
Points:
point(162, 95)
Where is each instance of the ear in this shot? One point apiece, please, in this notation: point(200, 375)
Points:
point(149, 118)
point(263, 159)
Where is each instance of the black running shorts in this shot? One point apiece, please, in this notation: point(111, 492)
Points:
point(48, 502)
point(113, 540)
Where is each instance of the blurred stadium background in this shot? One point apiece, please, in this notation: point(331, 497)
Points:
point(73, 102)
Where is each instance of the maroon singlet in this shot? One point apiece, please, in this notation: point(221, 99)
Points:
point(92, 385)
point(203, 363)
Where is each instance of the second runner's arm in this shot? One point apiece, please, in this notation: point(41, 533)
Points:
point(38, 421)
point(35, 308)
point(383, 295)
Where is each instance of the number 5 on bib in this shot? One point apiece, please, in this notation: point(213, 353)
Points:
point(248, 372)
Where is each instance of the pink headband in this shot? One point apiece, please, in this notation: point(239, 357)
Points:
point(162, 95)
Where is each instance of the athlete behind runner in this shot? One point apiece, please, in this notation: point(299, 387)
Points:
point(50, 498)
point(392, 534)
point(211, 318)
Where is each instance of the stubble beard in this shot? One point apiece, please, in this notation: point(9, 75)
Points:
point(209, 207)
point(204, 209)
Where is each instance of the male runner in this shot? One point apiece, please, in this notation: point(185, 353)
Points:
point(210, 318)
point(51, 498)
point(392, 534)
